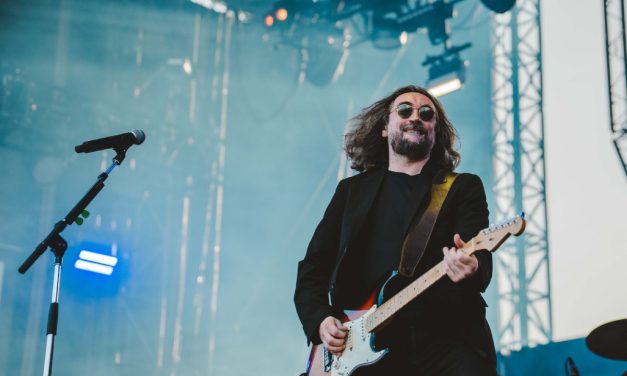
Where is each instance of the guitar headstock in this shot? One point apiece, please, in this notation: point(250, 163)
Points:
point(492, 237)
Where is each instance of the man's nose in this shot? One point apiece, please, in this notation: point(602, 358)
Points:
point(414, 115)
point(414, 118)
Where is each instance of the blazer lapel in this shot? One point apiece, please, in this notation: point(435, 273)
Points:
point(360, 202)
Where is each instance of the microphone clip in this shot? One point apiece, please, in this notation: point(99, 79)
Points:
point(120, 154)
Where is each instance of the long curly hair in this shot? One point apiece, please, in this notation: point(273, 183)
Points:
point(367, 149)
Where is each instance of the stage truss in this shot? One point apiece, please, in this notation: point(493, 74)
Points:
point(522, 264)
point(616, 55)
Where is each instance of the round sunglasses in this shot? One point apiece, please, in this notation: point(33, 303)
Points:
point(405, 110)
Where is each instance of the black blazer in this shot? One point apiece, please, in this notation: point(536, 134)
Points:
point(323, 286)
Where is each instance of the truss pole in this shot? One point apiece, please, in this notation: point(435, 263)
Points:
point(522, 266)
point(616, 59)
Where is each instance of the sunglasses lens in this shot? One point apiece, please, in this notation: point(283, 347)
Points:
point(404, 111)
point(426, 113)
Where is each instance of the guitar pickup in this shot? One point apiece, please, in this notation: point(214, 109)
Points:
point(328, 360)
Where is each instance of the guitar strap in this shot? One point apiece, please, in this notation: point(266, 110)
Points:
point(416, 241)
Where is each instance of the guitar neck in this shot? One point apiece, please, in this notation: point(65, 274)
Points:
point(488, 239)
point(386, 310)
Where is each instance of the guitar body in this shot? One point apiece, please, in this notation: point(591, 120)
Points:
point(359, 350)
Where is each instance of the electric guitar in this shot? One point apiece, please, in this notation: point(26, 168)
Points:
point(362, 324)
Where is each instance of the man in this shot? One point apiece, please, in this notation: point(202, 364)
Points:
point(402, 144)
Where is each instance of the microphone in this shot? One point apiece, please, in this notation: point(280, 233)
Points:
point(120, 141)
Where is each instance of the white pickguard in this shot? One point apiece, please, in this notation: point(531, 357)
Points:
point(357, 352)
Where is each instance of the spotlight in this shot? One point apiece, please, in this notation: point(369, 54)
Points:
point(243, 16)
point(98, 270)
point(447, 72)
point(187, 66)
point(388, 21)
point(403, 38)
point(220, 7)
point(446, 84)
point(96, 262)
point(281, 14)
point(268, 20)
point(217, 6)
point(286, 11)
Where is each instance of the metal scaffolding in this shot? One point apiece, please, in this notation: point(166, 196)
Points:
point(616, 55)
point(522, 265)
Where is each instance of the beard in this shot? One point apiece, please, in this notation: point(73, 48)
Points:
point(414, 151)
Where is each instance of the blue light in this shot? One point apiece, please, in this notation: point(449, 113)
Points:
point(93, 267)
point(97, 269)
point(95, 262)
point(98, 257)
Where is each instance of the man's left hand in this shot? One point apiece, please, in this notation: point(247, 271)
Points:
point(458, 265)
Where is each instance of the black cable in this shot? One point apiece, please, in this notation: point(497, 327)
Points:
point(570, 367)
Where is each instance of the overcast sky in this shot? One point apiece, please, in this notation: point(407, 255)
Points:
point(586, 187)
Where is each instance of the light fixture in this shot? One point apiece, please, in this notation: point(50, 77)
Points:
point(447, 72)
point(445, 85)
point(403, 38)
point(268, 20)
point(217, 6)
point(243, 16)
point(281, 14)
point(96, 262)
point(187, 66)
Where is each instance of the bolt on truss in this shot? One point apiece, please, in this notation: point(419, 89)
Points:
point(616, 55)
point(522, 265)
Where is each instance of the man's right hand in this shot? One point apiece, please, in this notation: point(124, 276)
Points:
point(333, 335)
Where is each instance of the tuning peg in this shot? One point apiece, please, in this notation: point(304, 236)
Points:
point(79, 221)
point(85, 214)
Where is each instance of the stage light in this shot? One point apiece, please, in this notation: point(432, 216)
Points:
point(98, 257)
point(93, 267)
point(96, 262)
point(445, 86)
point(98, 269)
point(447, 77)
point(268, 20)
point(403, 38)
point(217, 6)
point(187, 66)
point(281, 14)
point(220, 7)
point(447, 72)
point(243, 16)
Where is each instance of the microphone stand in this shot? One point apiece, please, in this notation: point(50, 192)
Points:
point(58, 245)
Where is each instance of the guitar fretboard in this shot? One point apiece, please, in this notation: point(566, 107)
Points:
point(406, 295)
point(489, 239)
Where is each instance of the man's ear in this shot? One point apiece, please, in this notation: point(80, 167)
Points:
point(384, 132)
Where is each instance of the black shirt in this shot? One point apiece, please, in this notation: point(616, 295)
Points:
point(384, 230)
